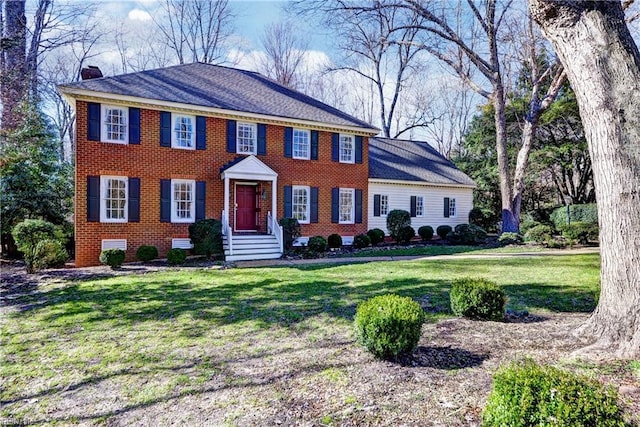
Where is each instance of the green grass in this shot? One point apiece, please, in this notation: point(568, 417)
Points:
point(163, 335)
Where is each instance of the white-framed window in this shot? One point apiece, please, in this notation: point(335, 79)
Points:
point(346, 206)
point(184, 131)
point(347, 149)
point(301, 144)
point(452, 208)
point(419, 206)
point(384, 204)
point(114, 124)
point(247, 138)
point(183, 203)
point(113, 198)
point(300, 201)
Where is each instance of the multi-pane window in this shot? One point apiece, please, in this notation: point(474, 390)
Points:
point(452, 207)
point(384, 204)
point(347, 151)
point(247, 135)
point(301, 144)
point(300, 204)
point(346, 206)
point(114, 124)
point(182, 200)
point(419, 206)
point(183, 131)
point(113, 202)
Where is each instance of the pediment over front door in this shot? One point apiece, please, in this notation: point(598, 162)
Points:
point(248, 168)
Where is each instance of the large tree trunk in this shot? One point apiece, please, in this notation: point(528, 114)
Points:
point(603, 66)
point(14, 44)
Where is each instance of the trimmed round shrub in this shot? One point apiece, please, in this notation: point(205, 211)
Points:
point(467, 234)
point(27, 234)
point(426, 232)
point(290, 230)
point(396, 219)
point(443, 230)
point(334, 241)
point(389, 325)
point(49, 254)
point(376, 235)
point(206, 236)
point(527, 394)
point(176, 256)
point(580, 231)
point(317, 244)
point(146, 253)
point(477, 298)
point(538, 234)
point(508, 238)
point(112, 257)
point(405, 234)
point(361, 241)
point(527, 225)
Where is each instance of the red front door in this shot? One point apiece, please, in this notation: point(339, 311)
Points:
point(245, 208)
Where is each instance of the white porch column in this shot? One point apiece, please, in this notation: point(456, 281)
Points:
point(274, 197)
point(226, 200)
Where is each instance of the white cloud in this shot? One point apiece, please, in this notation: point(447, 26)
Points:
point(139, 15)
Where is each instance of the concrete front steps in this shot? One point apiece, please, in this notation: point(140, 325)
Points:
point(249, 247)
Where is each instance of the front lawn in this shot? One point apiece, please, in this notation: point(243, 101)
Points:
point(272, 345)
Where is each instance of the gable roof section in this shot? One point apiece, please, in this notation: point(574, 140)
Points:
point(402, 160)
point(219, 87)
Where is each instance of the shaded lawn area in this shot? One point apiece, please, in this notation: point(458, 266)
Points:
point(103, 350)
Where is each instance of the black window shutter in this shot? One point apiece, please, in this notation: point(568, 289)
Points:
point(446, 207)
point(358, 149)
point(201, 195)
point(262, 139)
point(358, 206)
point(288, 142)
point(134, 126)
point(201, 133)
point(133, 204)
point(314, 204)
point(165, 200)
point(93, 121)
point(231, 136)
point(376, 205)
point(93, 198)
point(335, 205)
point(335, 147)
point(413, 206)
point(165, 129)
point(314, 144)
point(288, 207)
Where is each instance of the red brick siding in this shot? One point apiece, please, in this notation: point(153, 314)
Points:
point(151, 162)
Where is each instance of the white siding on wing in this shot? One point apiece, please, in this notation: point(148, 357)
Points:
point(399, 195)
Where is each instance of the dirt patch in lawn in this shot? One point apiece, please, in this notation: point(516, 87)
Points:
point(312, 373)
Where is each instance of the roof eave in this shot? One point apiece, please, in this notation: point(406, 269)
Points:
point(74, 93)
point(424, 183)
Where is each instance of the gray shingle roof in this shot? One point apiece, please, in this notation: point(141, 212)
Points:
point(220, 87)
point(403, 160)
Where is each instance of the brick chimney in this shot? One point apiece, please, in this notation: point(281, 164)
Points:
point(91, 72)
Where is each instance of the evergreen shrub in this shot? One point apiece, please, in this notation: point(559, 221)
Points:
point(146, 253)
point(509, 238)
point(405, 234)
point(467, 234)
point(317, 244)
point(206, 236)
point(176, 256)
point(526, 394)
point(396, 219)
point(580, 231)
point(290, 230)
point(579, 213)
point(112, 257)
point(443, 230)
point(28, 233)
point(376, 235)
point(426, 232)
point(49, 253)
point(477, 298)
point(389, 325)
point(361, 241)
point(539, 234)
point(334, 241)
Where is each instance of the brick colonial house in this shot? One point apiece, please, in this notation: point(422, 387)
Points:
point(158, 150)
